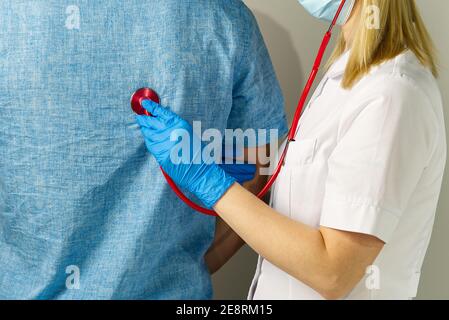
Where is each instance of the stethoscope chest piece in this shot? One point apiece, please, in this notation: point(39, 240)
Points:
point(139, 96)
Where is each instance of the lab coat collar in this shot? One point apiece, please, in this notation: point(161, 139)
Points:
point(407, 58)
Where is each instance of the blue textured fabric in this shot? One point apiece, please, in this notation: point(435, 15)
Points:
point(78, 190)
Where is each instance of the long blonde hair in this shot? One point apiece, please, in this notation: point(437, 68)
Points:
point(400, 28)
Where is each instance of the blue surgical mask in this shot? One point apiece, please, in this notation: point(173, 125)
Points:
point(326, 9)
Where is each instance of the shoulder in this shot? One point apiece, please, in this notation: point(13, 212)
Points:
point(230, 18)
point(400, 83)
point(235, 10)
point(401, 77)
point(214, 13)
point(400, 90)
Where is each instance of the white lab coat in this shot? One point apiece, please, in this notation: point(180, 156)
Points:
point(367, 160)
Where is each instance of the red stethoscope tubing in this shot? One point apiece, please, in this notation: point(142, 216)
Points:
point(136, 100)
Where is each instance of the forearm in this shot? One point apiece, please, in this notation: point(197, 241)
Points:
point(227, 242)
point(294, 247)
point(313, 256)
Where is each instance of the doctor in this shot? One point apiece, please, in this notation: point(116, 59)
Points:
point(353, 210)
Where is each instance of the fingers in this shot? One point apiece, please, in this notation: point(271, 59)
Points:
point(150, 135)
point(155, 123)
point(152, 129)
point(157, 110)
point(148, 122)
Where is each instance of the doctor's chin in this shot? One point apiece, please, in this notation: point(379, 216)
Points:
point(224, 157)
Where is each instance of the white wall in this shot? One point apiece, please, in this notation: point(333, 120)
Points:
point(293, 38)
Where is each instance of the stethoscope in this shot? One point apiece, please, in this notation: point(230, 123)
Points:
point(149, 94)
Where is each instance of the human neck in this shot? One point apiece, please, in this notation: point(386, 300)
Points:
point(348, 28)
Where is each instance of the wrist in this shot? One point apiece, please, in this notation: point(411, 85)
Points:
point(210, 191)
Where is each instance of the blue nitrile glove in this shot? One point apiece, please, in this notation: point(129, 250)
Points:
point(241, 172)
point(208, 182)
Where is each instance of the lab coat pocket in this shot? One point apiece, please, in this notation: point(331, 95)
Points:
point(301, 153)
point(305, 182)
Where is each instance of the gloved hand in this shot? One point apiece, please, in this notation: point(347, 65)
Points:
point(208, 182)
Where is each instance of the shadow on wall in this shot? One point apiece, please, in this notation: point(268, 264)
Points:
point(234, 279)
point(285, 59)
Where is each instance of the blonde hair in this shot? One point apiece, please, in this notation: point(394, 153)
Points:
point(401, 28)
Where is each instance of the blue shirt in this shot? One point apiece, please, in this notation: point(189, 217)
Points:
point(84, 211)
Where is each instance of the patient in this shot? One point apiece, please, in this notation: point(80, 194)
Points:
point(84, 210)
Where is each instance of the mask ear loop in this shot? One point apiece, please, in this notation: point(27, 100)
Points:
point(291, 135)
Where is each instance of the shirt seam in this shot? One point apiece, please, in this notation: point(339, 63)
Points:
point(357, 201)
